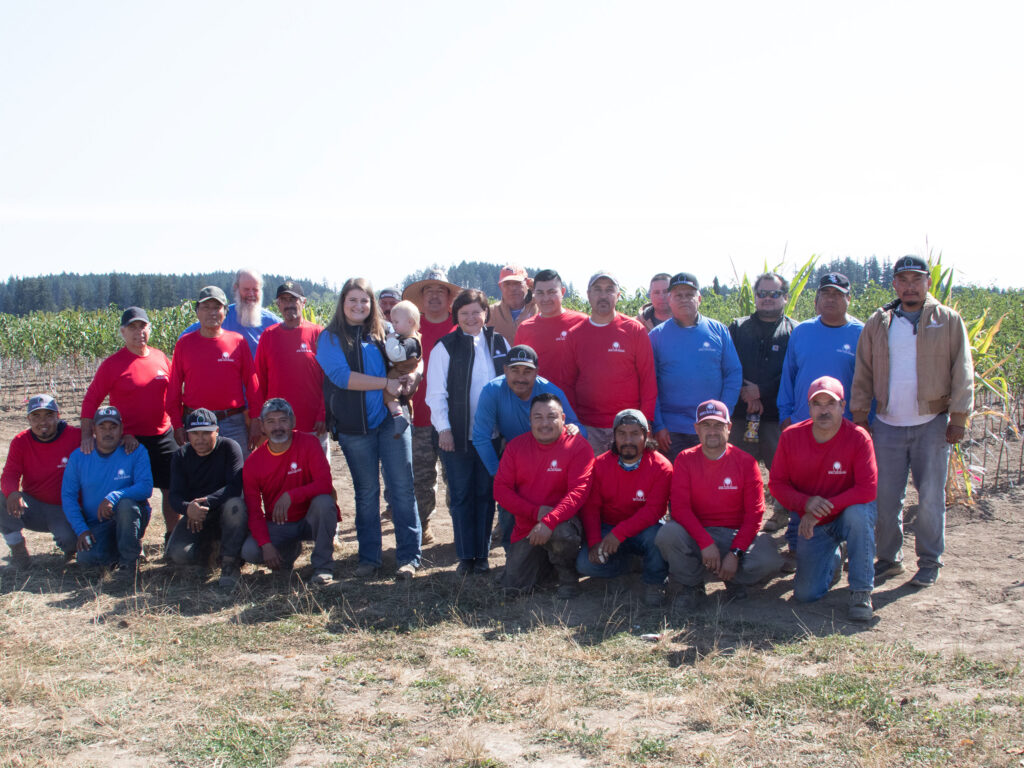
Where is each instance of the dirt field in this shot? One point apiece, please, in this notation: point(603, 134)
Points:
point(444, 672)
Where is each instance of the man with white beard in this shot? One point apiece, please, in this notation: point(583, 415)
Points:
point(246, 315)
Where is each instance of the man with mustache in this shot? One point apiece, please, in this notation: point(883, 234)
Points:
point(824, 471)
point(914, 360)
point(516, 304)
point(286, 364)
point(622, 515)
point(609, 364)
point(287, 487)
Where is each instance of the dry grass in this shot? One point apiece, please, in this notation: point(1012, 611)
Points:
point(440, 674)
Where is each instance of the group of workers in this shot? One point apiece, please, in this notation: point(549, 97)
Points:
point(595, 438)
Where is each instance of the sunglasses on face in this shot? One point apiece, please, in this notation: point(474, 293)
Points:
point(770, 294)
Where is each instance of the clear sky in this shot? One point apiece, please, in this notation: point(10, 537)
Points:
point(332, 139)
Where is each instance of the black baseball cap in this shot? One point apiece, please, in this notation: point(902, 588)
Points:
point(521, 354)
point(212, 292)
point(107, 413)
point(683, 278)
point(290, 287)
point(910, 264)
point(835, 280)
point(201, 420)
point(131, 314)
point(42, 403)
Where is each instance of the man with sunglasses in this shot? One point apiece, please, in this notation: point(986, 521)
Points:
point(761, 340)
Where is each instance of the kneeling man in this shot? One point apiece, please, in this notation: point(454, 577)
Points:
point(105, 494)
point(628, 497)
point(824, 470)
point(542, 480)
point(206, 490)
point(287, 487)
point(30, 482)
point(717, 508)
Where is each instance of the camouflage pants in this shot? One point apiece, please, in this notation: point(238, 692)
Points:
point(424, 471)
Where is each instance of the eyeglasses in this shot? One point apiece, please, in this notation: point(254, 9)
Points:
point(770, 294)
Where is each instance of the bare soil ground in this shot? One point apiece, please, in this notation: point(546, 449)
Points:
point(443, 671)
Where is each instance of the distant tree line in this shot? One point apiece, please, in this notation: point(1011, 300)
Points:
point(50, 293)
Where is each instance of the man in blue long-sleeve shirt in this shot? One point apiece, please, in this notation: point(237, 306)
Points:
point(105, 495)
point(695, 360)
point(503, 412)
point(824, 346)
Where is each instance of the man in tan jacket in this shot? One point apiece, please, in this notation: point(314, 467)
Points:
point(516, 301)
point(914, 360)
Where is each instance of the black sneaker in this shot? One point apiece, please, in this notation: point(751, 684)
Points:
point(20, 558)
point(464, 568)
point(688, 599)
point(734, 591)
point(925, 577)
point(886, 568)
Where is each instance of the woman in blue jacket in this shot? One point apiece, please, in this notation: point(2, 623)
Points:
point(351, 353)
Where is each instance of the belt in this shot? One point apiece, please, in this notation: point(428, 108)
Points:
point(220, 414)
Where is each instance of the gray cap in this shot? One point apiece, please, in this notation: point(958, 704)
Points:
point(107, 413)
point(212, 292)
point(630, 416)
point(598, 275)
point(42, 403)
point(201, 420)
point(277, 404)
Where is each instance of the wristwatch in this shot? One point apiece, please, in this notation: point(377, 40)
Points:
point(738, 552)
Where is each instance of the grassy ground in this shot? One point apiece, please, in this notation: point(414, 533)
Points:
point(439, 673)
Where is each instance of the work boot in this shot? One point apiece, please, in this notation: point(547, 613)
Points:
point(734, 591)
point(19, 555)
point(688, 599)
point(884, 569)
point(860, 606)
point(229, 574)
point(654, 594)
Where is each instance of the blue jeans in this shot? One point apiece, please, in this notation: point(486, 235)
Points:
point(899, 450)
point(118, 539)
point(378, 451)
point(818, 557)
point(655, 567)
point(472, 503)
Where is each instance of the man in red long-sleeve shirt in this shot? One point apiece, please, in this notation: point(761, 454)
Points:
point(543, 480)
point(212, 368)
point(608, 365)
point(287, 487)
point(824, 470)
point(31, 478)
point(717, 508)
point(286, 364)
point(622, 515)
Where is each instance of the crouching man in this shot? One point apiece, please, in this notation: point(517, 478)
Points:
point(542, 480)
point(622, 515)
point(287, 487)
point(206, 490)
point(717, 509)
point(824, 470)
point(105, 495)
point(30, 483)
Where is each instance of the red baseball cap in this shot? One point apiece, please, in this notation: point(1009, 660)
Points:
point(513, 272)
point(828, 385)
point(712, 410)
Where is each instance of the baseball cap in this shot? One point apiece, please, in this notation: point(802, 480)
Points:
point(290, 287)
point(201, 420)
point(828, 385)
point(389, 293)
point(107, 413)
point(131, 314)
point(277, 404)
point(630, 416)
point(212, 292)
point(42, 403)
point(598, 275)
point(512, 272)
point(910, 264)
point(521, 354)
point(712, 410)
point(683, 278)
point(835, 280)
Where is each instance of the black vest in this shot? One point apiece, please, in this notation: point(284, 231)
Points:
point(761, 348)
point(346, 408)
point(460, 373)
